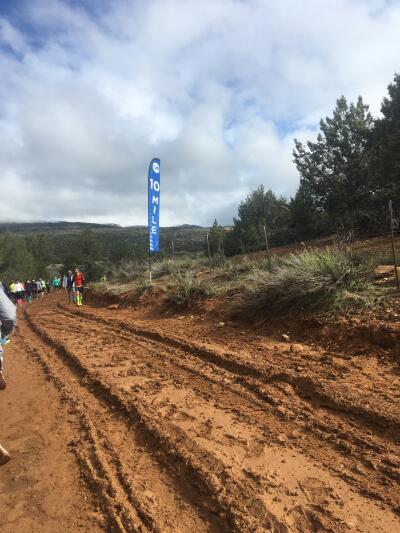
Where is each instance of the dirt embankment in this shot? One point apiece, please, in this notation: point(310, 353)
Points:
point(188, 423)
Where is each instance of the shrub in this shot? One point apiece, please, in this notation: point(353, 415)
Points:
point(127, 271)
point(162, 268)
point(189, 288)
point(325, 278)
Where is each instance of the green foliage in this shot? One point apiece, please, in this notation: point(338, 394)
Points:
point(188, 288)
point(260, 208)
point(216, 238)
point(334, 169)
point(127, 270)
point(385, 151)
point(16, 259)
point(317, 279)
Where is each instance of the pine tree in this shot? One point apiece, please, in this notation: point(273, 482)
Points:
point(216, 238)
point(386, 149)
point(334, 170)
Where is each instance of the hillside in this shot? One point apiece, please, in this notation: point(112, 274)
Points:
point(111, 236)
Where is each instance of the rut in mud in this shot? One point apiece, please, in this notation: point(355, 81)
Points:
point(183, 428)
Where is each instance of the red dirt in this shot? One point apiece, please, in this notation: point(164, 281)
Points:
point(183, 423)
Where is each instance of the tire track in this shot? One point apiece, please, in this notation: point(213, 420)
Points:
point(305, 386)
point(117, 445)
point(357, 441)
point(233, 500)
point(173, 429)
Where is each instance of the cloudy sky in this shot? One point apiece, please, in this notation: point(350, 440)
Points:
point(91, 90)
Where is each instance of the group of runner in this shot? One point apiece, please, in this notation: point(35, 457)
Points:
point(72, 282)
point(29, 290)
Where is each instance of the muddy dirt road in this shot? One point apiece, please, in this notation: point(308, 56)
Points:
point(181, 424)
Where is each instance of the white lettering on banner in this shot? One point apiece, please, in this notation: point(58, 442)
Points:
point(154, 230)
point(154, 200)
point(154, 210)
point(153, 220)
point(154, 184)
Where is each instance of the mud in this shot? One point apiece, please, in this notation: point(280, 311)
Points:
point(183, 424)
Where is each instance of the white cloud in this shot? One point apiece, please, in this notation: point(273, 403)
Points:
point(218, 89)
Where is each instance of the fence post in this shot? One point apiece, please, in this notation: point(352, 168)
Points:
point(393, 244)
point(267, 245)
point(209, 254)
point(173, 251)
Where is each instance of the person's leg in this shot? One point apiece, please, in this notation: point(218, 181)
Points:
point(2, 382)
point(4, 456)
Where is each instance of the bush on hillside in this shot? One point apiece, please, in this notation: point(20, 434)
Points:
point(189, 288)
point(127, 271)
point(314, 279)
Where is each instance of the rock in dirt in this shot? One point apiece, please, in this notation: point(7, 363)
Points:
point(285, 337)
point(296, 348)
point(383, 271)
point(113, 306)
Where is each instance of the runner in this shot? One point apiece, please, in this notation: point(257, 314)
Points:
point(68, 284)
point(56, 283)
point(28, 291)
point(7, 323)
point(19, 292)
point(13, 290)
point(39, 288)
point(34, 289)
point(79, 281)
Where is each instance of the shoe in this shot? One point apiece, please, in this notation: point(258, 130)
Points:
point(4, 456)
point(2, 382)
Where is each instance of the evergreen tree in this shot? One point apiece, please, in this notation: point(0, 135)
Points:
point(261, 208)
point(386, 150)
point(334, 170)
point(216, 238)
point(16, 260)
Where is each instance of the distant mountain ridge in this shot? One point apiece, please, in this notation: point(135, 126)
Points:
point(44, 226)
point(64, 235)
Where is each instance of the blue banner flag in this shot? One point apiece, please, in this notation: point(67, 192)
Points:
point(154, 205)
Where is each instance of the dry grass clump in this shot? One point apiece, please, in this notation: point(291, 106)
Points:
point(127, 270)
point(188, 288)
point(167, 267)
point(327, 278)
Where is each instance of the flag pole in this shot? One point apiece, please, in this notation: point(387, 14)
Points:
point(150, 280)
